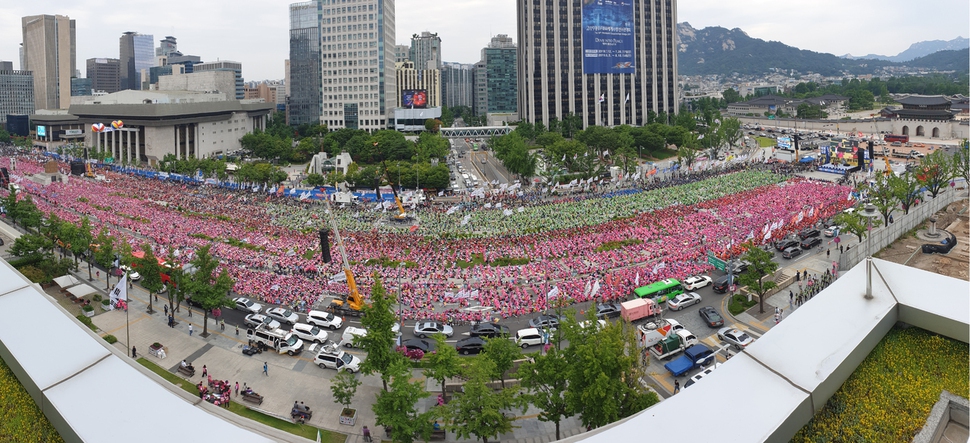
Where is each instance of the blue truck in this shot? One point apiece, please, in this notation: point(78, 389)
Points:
point(694, 357)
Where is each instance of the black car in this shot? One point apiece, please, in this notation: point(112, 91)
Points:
point(811, 242)
point(791, 252)
point(808, 233)
point(470, 345)
point(737, 266)
point(785, 244)
point(418, 343)
point(711, 317)
point(607, 310)
point(721, 285)
point(544, 321)
point(489, 330)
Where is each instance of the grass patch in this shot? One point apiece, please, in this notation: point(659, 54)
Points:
point(21, 420)
point(479, 259)
point(661, 154)
point(739, 303)
point(613, 245)
point(83, 199)
point(388, 263)
point(766, 142)
point(201, 236)
point(308, 255)
point(889, 396)
point(305, 431)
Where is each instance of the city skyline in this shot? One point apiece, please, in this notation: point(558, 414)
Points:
point(260, 41)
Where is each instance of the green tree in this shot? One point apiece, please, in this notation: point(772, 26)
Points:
point(10, 204)
point(545, 386)
point(906, 188)
point(570, 124)
point(30, 217)
point(883, 196)
point(759, 267)
point(4, 136)
point(432, 125)
point(396, 408)
point(731, 96)
point(151, 274)
point(32, 245)
point(935, 172)
point(502, 352)
point(687, 154)
point(177, 292)
point(731, 131)
point(207, 289)
point(478, 409)
point(855, 223)
point(961, 162)
point(314, 179)
point(443, 363)
point(344, 387)
point(430, 146)
point(105, 255)
point(379, 321)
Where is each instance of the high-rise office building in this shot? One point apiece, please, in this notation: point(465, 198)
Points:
point(137, 53)
point(16, 92)
point(49, 52)
point(411, 79)
point(81, 86)
point(105, 74)
point(225, 65)
point(610, 63)
point(425, 51)
point(402, 53)
point(166, 46)
point(457, 84)
point(357, 48)
point(305, 102)
point(497, 82)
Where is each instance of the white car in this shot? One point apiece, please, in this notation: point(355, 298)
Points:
point(324, 319)
point(735, 337)
point(133, 275)
point(283, 315)
point(333, 358)
point(347, 339)
point(683, 300)
point(423, 329)
point(309, 333)
point(254, 320)
point(245, 304)
point(831, 231)
point(529, 337)
point(696, 282)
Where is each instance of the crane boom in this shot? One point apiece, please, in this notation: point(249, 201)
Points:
point(354, 299)
point(402, 215)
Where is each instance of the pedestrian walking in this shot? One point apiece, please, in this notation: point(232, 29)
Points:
point(676, 386)
point(166, 310)
point(190, 330)
point(791, 297)
point(134, 352)
point(98, 274)
point(190, 310)
point(237, 388)
point(237, 329)
point(841, 249)
point(828, 253)
point(205, 371)
point(171, 321)
point(366, 433)
point(265, 369)
point(222, 324)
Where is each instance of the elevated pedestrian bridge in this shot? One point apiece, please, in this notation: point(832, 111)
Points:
point(475, 131)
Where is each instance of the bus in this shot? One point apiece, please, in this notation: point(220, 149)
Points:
point(896, 138)
point(660, 291)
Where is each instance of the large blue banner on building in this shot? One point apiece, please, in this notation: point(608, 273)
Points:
point(608, 46)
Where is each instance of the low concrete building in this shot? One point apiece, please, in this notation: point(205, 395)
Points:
point(321, 163)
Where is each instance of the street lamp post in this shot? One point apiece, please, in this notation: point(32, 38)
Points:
point(869, 212)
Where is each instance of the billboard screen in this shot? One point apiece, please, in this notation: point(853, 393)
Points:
point(414, 98)
point(608, 46)
point(42, 131)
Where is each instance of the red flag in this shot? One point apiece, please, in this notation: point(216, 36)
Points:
point(413, 228)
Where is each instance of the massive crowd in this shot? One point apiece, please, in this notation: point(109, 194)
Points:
point(442, 268)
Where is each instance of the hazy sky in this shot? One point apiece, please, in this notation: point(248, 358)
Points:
point(255, 33)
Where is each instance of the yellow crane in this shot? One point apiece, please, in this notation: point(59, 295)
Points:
point(353, 302)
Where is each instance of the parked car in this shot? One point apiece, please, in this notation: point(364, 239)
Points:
point(255, 320)
point(132, 274)
point(283, 315)
point(425, 346)
point(309, 333)
point(245, 304)
point(607, 310)
point(489, 330)
point(425, 328)
point(808, 233)
point(324, 319)
point(792, 252)
point(683, 300)
point(810, 243)
point(721, 284)
point(785, 244)
point(528, 337)
point(696, 282)
point(734, 337)
point(831, 231)
point(711, 317)
point(470, 345)
point(545, 321)
point(347, 339)
point(331, 357)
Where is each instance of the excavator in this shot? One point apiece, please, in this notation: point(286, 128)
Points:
point(401, 216)
point(352, 303)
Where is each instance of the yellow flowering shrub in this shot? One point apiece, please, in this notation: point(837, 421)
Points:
point(20, 419)
point(889, 396)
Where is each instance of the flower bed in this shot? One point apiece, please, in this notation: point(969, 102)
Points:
point(20, 418)
point(889, 396)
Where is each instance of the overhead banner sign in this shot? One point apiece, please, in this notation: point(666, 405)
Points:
point(608, 45)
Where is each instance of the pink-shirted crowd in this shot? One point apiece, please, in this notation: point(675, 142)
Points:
point(275, 257)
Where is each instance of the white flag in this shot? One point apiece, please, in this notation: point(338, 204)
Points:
point(602, 98)
point(552, 292)
point(120, 291)
point(627, 97)
point(636, 282)
point(507, 212)
point(596, 289)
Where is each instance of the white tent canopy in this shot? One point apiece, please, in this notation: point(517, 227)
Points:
point(81, 290)
point(66, 281)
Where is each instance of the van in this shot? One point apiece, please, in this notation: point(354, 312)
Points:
point(347, 339)
point(278, 339)
point(528, 337)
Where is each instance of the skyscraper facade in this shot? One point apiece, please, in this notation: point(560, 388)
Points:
point(501, 76)
point(81, 86)
point(425, 51)
point(357, 52)
point(166, 46)
point(105, 74)
point(136, 52)
point(457, 84)
point(402, 53)
point(49, 52)
point(225, 65)
point(16, 92)
point(564, 68)
point(410, 78)
point(305, 103)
